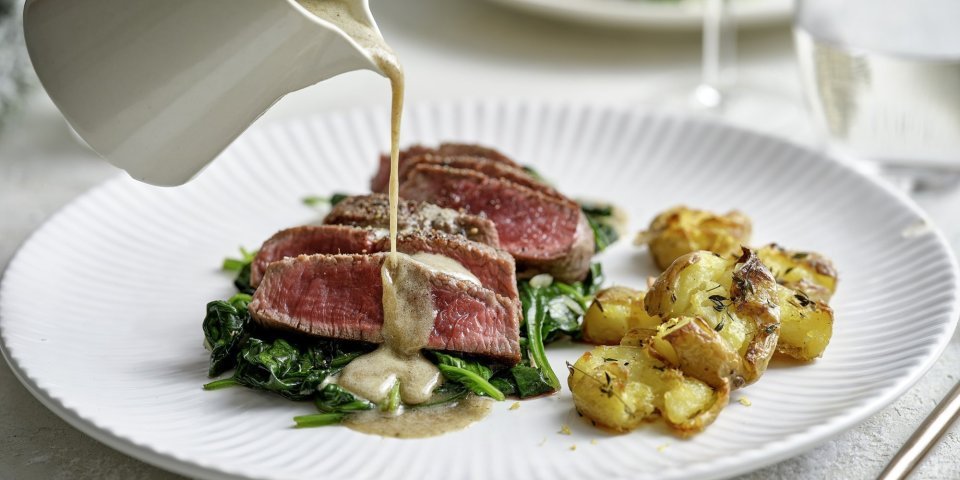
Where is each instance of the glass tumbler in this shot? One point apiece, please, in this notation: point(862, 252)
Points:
point(883, 80)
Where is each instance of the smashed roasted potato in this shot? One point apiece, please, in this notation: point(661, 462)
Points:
point(735, 298)
point(620, 387)
point(806, 325)
point(681, 230)
point(614, 312)
point(807, 272)
point(697, 349)
point(713, 319)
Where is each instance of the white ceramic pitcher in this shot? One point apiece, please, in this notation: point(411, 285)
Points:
point(160, 87)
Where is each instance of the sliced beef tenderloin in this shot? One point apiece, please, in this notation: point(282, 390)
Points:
point(340, 296)
point(482, 165)
point(310, 239)
point(494, 268)
point(374, 211)
point(545, 234)
point(380, 182)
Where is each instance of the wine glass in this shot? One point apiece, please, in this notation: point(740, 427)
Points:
point(720, 92)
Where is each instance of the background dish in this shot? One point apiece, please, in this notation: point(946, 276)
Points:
point(652, 15)
point(100, 310)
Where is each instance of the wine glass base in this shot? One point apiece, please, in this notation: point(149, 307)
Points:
point(744, 105)
point(911, 179)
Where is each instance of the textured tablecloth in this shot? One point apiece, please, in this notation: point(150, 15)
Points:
point(42, 168)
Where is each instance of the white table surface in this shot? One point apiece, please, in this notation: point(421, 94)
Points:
point(451, 49)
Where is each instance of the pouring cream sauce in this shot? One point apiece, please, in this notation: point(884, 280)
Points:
point(408, 313)
point(407, 322)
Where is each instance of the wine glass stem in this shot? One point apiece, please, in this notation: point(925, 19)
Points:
point(708, 94)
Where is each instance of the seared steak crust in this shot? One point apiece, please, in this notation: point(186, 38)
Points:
point(374, 211)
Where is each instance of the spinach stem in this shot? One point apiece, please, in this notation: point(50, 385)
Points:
point(318, 419)
point(536, 315)
point(222, 383)
point(392, 402)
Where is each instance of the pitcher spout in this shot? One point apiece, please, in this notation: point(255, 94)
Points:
point(346, 38)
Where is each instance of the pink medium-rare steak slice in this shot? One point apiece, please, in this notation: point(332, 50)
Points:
point(494, 268)
point(374, 211)
point(381, 180)
point(545, 234)
point(340, 296)
point(310, 239)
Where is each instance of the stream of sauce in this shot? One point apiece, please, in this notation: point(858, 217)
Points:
point(408, 310)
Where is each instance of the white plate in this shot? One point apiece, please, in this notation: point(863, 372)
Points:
point(653, 14)
point(100, 311)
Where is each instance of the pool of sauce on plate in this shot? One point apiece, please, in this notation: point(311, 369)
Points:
point(423, 422)
point(408, 314)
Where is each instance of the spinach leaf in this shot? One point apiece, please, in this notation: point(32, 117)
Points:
point(602, 221)
point(504, 382)
point(594, 281)
point(289, 369)
point(242, 267)
point(447, 393)
point(337, 198)
point(532, 382)
point(333, 398)
point(523, 381)
point(471, 380)
point(603, 234)
point(282, 368)
point(225, 330)
point(562, 304)
point(470, 374)
point(535, 316)
point(236, 264)
point(550, 310)
point(460, 363)
point(242, 281)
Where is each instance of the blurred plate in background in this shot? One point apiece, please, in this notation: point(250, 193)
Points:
point(652, 14)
